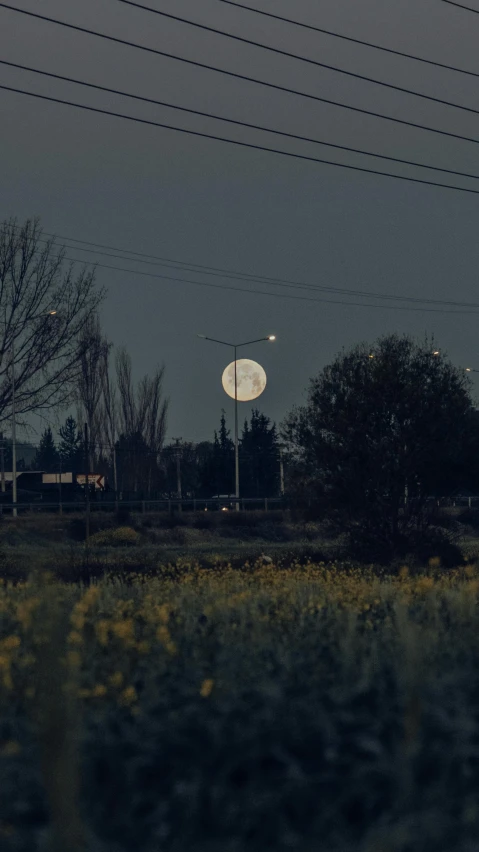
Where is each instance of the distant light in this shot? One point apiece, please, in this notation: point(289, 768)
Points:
point(436, 352)
point(272, 337)
point(224, 509)
point(371, 356)
point(468, 369)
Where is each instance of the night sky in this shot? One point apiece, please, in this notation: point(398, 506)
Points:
point(99, 178)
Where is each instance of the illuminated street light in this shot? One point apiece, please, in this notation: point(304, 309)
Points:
point(235, 346)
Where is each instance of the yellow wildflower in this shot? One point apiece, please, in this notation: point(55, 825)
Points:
point(91, 595)
point(10, 643)
point(24, 611)
point(99, 691)
point(75, 638)
point(163, 613)
point(84, 693)
point(124, 630)
point(404, 572)
point(163, 635)
point(116, 679)
point(425, 584)
point(102, 628)
point(128, 696)
point(206, 688)
point(77, 620)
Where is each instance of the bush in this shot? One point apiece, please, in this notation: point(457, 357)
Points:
point(368, 546)
point(98, 523)
point(469, 517)
point(204, 520)
point(119, 537)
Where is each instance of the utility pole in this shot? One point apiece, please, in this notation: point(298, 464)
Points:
point(2, 452)
point(14, 439)
point(115, 477)
point(237, 494)
point(87, 487)
point(60, 485)
point(178, 470)
point(281, 472)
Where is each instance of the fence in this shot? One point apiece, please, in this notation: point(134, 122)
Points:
point(142, 506)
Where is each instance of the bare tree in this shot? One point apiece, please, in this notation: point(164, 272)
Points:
point(94, 357)
point(127, 405)
point(141, 420)
point(44, 309)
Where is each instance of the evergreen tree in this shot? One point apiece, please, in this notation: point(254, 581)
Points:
point(259, 457)
point(47, 458)
point(224, 460)
point(71, 447)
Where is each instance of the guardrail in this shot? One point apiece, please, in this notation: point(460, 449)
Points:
point(142, 506)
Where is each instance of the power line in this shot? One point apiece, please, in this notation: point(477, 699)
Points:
point(296, 56)
point(461, 6)
point(246, 78)
point(351, 39)
point(277, 282)
point(184, 266)
point(236, 121)
point(238, 143)
point(265, 293)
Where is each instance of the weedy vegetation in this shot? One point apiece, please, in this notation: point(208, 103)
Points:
point(283, 706)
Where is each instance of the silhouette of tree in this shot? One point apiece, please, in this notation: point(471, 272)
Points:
point(383, 429)
point(47, 458)
point(70, 447)
point(259, 457)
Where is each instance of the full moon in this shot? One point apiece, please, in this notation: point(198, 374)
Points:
point(250, 379)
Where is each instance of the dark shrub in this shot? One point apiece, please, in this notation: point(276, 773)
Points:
point(436, 542)
point(240, 519)
point(98, 522)
point(204, 520)
point(469, 517)
point(371, 545)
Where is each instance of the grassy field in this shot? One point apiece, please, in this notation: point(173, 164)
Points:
point(310, 707)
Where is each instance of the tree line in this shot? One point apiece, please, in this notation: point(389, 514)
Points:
point(181, 468)
point(388, 428)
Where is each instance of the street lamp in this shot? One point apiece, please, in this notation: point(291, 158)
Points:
point(14, 429)
point(270, 338)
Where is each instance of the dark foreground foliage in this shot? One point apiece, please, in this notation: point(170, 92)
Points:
point(312, 708)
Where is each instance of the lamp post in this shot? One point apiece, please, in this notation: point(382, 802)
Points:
point(235, 347)
point(14, 429)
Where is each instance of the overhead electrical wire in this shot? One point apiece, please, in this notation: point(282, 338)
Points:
point(183, 266)
point(461, 6)
point(238, 143)
point(296, 56)
point(343, 37)
point(266, 293)
point(245, 77)
point(237, 122)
